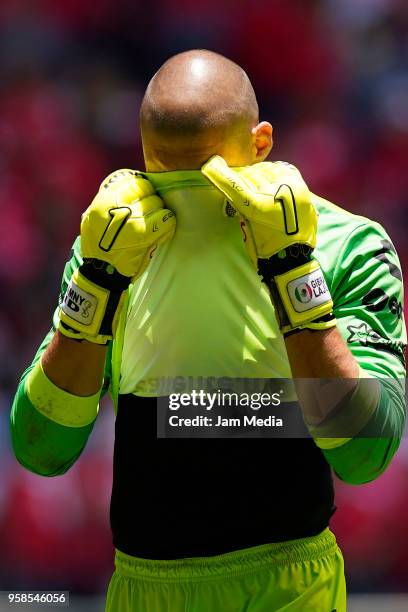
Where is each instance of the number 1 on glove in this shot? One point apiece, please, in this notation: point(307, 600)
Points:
point(120, 231)
point(281, 226)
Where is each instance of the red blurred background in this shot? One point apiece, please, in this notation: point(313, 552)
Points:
point(331, 75)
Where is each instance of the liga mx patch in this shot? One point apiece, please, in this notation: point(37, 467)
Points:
point(79, 304)
point(308, 291)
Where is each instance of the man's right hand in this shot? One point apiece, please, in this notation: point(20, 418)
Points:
point(120, 231)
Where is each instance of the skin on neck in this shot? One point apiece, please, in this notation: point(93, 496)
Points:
point(238, 148)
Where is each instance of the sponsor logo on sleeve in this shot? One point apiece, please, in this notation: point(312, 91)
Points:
point(367, 336)
point(383, 255)
point(377, 300)
point(364, 334)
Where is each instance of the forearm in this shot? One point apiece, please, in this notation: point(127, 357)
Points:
point(320, 354)
point(366, 456)
point(363, 418)
point(349, 410)
point(65, 383)
point(325, 375)
point(40, 444)
point(75, 367)
point(56, 405)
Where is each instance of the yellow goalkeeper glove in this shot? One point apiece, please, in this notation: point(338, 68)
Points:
point(120, 230)
point(280, 225)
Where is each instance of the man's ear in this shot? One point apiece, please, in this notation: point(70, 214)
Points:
point(262, 141)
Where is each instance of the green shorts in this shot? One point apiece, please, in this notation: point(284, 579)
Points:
point(297, 576)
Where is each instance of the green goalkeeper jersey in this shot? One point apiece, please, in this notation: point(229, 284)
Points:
point(200, 310)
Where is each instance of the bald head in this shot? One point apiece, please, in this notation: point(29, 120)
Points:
point(196, 91)
point(194, 104)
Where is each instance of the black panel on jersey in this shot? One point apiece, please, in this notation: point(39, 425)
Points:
point(175, 498)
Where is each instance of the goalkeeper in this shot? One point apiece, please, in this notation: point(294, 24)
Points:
point(215, 263)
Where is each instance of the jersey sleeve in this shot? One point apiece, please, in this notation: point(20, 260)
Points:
point(367, 291)
point(42, 442)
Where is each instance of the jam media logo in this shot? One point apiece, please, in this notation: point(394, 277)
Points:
point(304, 293)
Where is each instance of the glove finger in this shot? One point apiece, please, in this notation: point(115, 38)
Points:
point(139, 238)
point(228, 182)
point(127, 184)
point(136, 232)
point(261, 176)
point(145, 206)
point(249, 241)
point(117, 175)
point(159, 227)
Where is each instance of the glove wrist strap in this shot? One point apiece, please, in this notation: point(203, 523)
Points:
point(104, 275)
point(92, 302)
point(300, 295)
